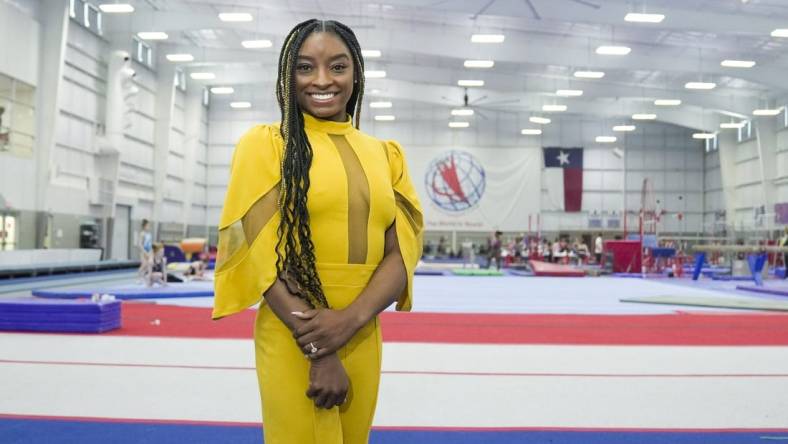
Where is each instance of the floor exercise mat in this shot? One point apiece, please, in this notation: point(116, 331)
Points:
point(774, 288)
point(133, 291)
point(72, 316)
point(476, 272)
point(701, 301)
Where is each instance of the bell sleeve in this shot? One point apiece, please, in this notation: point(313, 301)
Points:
point(409, 219)
point(246, 256)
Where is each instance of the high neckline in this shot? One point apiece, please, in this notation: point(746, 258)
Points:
point(327, 126)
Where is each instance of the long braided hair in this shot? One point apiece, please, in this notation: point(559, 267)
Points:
point(295, 264)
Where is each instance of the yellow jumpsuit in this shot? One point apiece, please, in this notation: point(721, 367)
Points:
point(359, 187)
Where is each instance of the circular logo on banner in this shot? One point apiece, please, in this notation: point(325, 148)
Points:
point(455, 181)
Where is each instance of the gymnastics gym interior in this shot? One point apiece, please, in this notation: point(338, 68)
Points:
point(604, 187)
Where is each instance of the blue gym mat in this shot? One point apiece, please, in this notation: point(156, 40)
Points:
point(69, 316)
point(40, 431)
point(133, 291)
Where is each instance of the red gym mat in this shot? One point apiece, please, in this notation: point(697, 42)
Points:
point(547, 269)
point(143, 319)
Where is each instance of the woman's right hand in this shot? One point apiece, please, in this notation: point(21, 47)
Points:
point(328, 382)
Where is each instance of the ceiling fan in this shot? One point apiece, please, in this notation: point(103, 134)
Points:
point(478, 104)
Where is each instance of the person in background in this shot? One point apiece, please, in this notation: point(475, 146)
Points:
point(145, 245)
point(495, 246)
point(581, 251)
point(598, 247)
point(784, 243)
point(157, 267)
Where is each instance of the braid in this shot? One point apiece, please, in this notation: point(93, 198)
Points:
point(295, 250)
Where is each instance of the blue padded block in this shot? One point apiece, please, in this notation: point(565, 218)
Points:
point(59, 316)
point(173, 290)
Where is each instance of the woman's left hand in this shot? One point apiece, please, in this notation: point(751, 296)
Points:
point(326, 330)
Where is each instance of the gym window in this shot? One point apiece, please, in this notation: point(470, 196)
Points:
point(17, 116)
point(143, 52)
point(86, 14)
point(745, 132)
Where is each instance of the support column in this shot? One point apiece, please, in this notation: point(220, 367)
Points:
point(53, 37)
point(191, 143)
point(165, 104)
point(727, 144)
point(766, 140)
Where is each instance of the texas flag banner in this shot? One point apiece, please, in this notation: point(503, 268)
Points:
point(563, 178)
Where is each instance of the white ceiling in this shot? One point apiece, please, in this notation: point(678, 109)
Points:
point(424, 44)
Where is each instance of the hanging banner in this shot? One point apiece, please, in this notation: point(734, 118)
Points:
point(476, 189)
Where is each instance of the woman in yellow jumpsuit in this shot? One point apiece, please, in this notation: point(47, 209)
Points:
point(322, 223)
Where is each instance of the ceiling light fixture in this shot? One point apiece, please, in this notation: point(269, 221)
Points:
point(257, 44)
point(487, 38)
point(240, 105)
point(737, 63)
point(782, 32)
point(180, 57)
point(116, 8)
point(605, 139)
point(469, 83)
point(589, 74)
point(554, 108)
point(613, 50)
point(479, 63)
point(371, 53)
point(531, 132)
point(222, 90)
point(624, 128)
point(372, 74)
point(462, 112)
point(235, 17)
point(732, 125)
point(539, 120)
point(385, 118)
point(766, 112)
point(667, 102)
point(152, 35)
point(380, 104)
point(700, 85)
point(644, 18)
point(704, 136)
point(644, 116)
point(569, 92)
point(202, 75)
point(459, 124)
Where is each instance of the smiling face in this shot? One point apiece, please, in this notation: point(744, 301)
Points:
point(324, 76)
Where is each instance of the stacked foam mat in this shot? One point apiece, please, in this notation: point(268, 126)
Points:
point(65, 316)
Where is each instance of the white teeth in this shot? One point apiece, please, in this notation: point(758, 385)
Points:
point(323, 96)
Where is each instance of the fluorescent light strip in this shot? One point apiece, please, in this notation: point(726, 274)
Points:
point(704, 136)
point(781, 32)
point(470, 82)
point(459, 124)
point(116, 8)
point(380, 104)
point(766, 112)
point(737, 63)
point(487, 38)
point(462, 112)
point(222, 90)
point(240, 105)
point(644, 116)
point(589, 74)
point(531, 132)
point(385, 118)
point(644, 18)
point(152, 35)
point(479, 63)
point(374, 74)
point(539, 120)
point(613, 50)
point(700, 85)
point(554, 108)
point(605, 139)
point(667, 102)
point(371, 53)
point(235, 17)
point(624, 128)
point(257, 44)
point(180, 57)
point(202, 75)
point(732, 125)
point(569, 92)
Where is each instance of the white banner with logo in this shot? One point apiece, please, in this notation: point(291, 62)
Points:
point(477, 189)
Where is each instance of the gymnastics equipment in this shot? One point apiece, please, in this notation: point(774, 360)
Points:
point(548, 269)
point(756, 257)
point(72, 316)
point(191, 245)
point(714, 302)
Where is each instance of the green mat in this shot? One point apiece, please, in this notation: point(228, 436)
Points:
point(701, 301)
point(476, 272)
